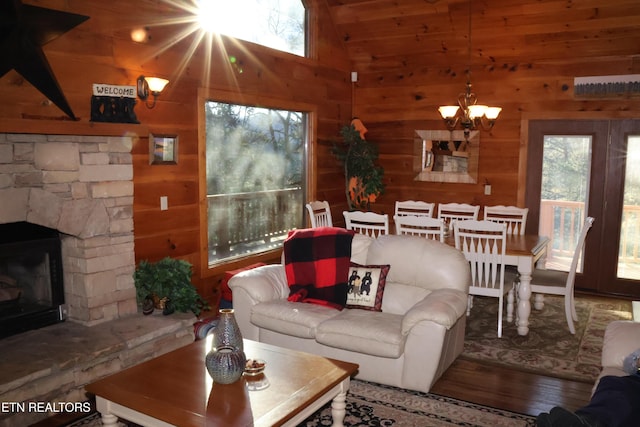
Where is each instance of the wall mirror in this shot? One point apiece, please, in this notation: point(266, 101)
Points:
point(445, 156)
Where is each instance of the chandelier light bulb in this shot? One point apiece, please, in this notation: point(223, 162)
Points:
point(448, 111)
point(492, 112)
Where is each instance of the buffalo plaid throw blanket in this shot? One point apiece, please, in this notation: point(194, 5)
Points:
point(317, 265)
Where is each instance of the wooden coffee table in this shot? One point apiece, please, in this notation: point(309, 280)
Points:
point(176, 390)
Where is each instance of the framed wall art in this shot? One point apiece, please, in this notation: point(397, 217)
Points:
point(163, 149)
point(446, 156)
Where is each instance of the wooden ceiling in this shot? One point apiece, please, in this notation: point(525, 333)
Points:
point(383, 35)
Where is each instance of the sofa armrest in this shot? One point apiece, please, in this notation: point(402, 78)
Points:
point(251, 287)
point(442, 306)
point(621, 338)
point(261, 284)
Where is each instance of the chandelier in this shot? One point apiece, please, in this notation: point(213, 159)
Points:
point(468, 112)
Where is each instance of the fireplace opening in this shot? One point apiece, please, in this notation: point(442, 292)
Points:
point(31, 279)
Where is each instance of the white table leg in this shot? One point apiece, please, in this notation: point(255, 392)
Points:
point(109, 420)
point(524, 305)
point(338, 409)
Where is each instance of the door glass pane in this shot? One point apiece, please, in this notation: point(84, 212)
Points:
point(629, 253)
point(565, 189)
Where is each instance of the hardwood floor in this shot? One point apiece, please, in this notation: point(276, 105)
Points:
point(498, 387)
point(504, 388)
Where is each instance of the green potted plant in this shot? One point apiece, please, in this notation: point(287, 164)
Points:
point(363, 178)
point(166, 285)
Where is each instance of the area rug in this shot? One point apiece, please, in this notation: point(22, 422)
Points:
point(370, 404)
point(549, 348)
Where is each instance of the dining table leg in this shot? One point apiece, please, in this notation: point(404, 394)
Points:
point(525, 268)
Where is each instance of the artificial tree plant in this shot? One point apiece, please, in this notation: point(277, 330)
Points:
point(167, 282)
point(363, 178)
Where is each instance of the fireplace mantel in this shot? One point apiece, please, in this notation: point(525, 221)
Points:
point(68, 127)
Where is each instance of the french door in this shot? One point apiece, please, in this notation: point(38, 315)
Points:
point(579, 168)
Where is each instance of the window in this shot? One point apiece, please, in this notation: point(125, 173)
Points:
point(278, 24)
point(255, 177)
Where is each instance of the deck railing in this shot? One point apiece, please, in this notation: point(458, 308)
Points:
point(245, 223)
point(562, 221)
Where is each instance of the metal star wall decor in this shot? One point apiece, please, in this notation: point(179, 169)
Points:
point(24, 29)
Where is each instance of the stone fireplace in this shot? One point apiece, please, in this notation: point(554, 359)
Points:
point(81, 186)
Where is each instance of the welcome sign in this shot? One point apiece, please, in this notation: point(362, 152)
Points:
point(100, 89)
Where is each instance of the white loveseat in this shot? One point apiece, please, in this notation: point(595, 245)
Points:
point(409, 344)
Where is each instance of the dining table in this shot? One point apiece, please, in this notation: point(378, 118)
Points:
point(524, 251)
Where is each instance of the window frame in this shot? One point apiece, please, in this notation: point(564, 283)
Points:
point(207, 94)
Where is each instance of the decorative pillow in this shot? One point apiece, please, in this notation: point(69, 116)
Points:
point(365, 286)
point(317, 264)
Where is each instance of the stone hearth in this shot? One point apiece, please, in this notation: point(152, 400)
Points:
point(81, 186)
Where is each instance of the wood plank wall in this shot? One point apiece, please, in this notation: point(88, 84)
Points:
point(101, 51)
point(411, 57)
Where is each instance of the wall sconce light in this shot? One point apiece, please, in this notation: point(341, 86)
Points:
point(155, 85)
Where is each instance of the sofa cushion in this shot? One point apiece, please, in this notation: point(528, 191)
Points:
point(291, 318)
point(399, 298)
point(376, 333)
point(365, 287)
point(317, 265)
point(360, 247)
point(415, 261)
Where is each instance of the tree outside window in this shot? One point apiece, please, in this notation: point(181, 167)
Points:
point(255, 176)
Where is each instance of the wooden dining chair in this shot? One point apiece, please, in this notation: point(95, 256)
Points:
point(457, 211)
point(513, 216)
point(431, 228)
point(319, 214)
point(369, 223)
point(483, 243)
point(549, 282)
point(417, 208)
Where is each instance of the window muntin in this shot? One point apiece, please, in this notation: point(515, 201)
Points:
point(255, 177)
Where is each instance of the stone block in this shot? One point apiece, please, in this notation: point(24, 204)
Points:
point(101, 173)
point(6, 153)
point(57, 157)
point(16, 168)
point(79, 190)
point(120, 158)
point(25, 137)
point(74, 215)
point(97, 284)
point(29, 179)
point(23, 152)
point(125, 281)
point(109, 262)
point(88, 147)
point(121, 226)
point(6, 181)
point(106, 250)
point(55, 177)
point(44, 208)
point(94, 158)
point(61, 190)
point(110, 189)
point(17, 209)
point(98, 222)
